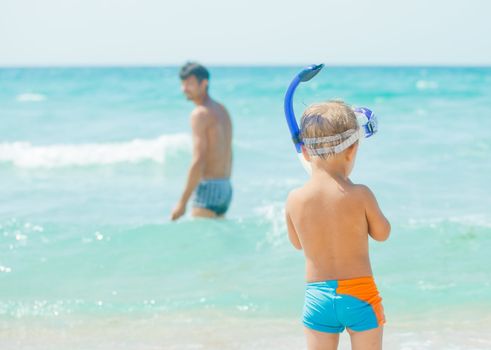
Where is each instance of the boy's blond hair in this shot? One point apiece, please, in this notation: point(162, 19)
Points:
point(325, 119)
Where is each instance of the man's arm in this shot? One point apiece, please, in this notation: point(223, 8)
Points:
point(200, 144)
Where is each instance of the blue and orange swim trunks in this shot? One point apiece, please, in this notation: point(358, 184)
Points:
point(331, 306)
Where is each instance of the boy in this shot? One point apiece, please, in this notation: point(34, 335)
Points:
point(330, 218)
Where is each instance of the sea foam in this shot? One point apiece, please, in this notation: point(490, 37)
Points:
point(26, 155)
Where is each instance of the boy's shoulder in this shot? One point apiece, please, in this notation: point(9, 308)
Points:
point(294, 196)
point(294, 193)
point(361, 192)
point(356, 191)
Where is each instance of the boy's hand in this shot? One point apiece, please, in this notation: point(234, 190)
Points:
point(178, 211)
point(378, 225)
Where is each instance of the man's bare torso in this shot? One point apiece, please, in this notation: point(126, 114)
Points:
point(218, 160)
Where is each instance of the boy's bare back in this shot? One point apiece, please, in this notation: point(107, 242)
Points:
point(330, 218)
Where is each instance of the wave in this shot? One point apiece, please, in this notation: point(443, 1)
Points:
point(426, 85)
point(26, 155)
point(476, 220)
point(30, 97)
point(274, 215)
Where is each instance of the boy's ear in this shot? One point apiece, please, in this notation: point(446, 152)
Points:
point(351, 151)
point(305, 154)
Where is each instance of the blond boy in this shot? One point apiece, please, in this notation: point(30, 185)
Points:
point(331, 219)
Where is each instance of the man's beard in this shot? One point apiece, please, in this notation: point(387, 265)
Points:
point(188, 97)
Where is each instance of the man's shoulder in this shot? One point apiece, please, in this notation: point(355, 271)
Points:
point(220, 106)
point(200, 111)
point(200, 117)
point(216, 107)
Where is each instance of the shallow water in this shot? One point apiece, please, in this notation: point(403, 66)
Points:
point(92, 162)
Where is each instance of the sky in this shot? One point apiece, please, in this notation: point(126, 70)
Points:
point(253, 32)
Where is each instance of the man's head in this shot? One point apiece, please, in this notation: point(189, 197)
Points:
point(194, 80)
point(326, 128)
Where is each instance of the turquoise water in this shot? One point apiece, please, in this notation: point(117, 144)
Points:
point(92, 160)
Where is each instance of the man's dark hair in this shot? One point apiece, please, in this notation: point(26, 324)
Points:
point(196, 69)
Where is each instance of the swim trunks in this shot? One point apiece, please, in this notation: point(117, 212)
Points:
point(214, 195)
point(331, 306)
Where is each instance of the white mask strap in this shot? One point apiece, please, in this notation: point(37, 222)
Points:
point(313, 140)
point(355, 136)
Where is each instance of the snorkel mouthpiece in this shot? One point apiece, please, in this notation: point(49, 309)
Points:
point(308, 73)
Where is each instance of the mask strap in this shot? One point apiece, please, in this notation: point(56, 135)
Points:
point(338, 148)
point(313, 140)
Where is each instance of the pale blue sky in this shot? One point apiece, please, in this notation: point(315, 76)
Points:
point(152, 32)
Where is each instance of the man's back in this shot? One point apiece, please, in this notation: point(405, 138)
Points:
point(218, 160)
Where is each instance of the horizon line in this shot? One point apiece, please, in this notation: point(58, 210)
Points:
point(244, 65)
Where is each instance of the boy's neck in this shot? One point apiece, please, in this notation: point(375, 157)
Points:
point(331, 168)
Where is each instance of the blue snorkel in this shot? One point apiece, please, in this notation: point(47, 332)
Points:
point(305, 75)
point(369, 126)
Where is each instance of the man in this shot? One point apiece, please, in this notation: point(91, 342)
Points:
point(211, 165)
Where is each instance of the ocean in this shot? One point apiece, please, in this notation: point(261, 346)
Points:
point(92, 161)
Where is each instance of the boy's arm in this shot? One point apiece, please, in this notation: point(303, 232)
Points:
point(292, 233)
point(378, 225)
